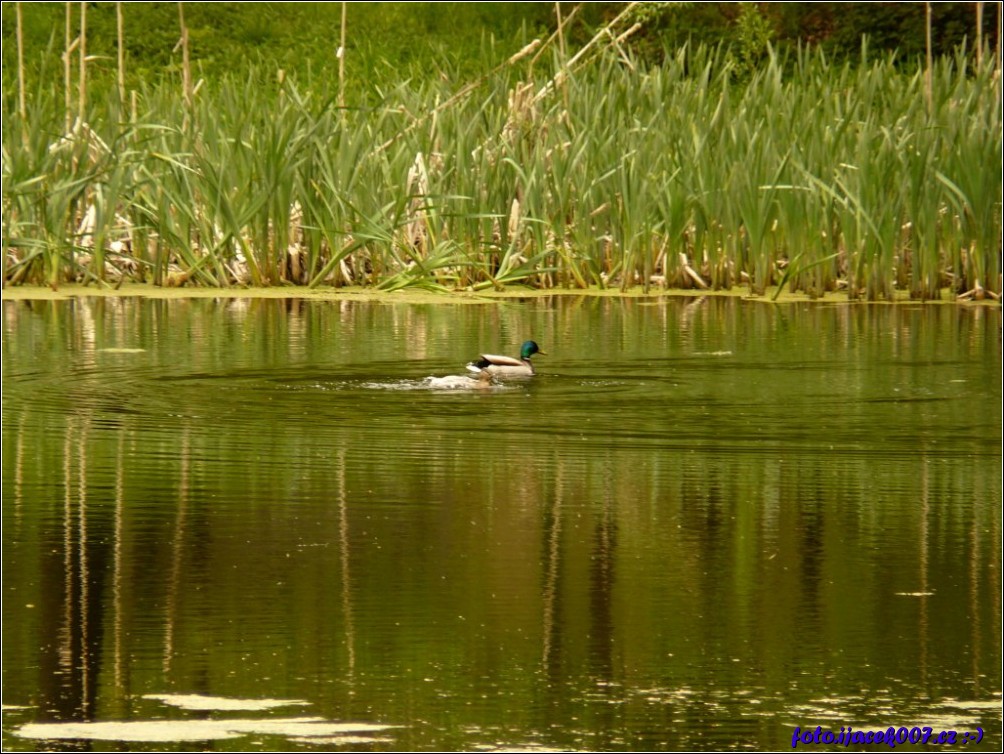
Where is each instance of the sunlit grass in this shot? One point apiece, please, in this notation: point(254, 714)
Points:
point(810, 175)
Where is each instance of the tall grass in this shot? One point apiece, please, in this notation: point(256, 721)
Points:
point(809, 175)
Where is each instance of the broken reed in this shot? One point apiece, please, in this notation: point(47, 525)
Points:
point(810, 175)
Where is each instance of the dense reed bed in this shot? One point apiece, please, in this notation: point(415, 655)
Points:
point(808, 175)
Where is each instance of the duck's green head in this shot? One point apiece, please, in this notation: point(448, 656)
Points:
point(529, 349)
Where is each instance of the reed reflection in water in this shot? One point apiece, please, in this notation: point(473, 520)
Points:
point(703, 524)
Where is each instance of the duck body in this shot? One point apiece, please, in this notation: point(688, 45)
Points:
point(482, 380)
point(507, 366)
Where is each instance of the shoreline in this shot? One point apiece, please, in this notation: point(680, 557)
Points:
point(146, 290)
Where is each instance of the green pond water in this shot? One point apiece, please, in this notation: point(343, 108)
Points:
point(704, 523)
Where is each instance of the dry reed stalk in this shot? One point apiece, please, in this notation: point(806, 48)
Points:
point(979, 36)
point(604, 32)
point(341, 64)
point(68, 70)
point(186, 68)
point(120, 29)
point(1000, 33)
point(461, 94)
point(691, 272)
point(416, 229)
point(928, 85)
point(560, 31)
point(562, 25)
point(82, 82)
point(22, 105)
point(522, 113)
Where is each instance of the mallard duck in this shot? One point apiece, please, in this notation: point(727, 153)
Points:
point(506, 366)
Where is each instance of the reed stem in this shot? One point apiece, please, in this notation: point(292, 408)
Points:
point(120, 32)
point(928, 83)
point(21, 100)
point(341, 61)
point(68, 70)
point(82, 78)
point(186, 69)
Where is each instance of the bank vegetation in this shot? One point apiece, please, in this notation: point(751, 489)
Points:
point(556, 169)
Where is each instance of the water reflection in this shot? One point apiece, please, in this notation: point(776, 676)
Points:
point(703, 524)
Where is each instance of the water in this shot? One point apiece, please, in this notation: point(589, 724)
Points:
point(703, 524)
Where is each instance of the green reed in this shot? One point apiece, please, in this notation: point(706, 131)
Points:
point(808, 175)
